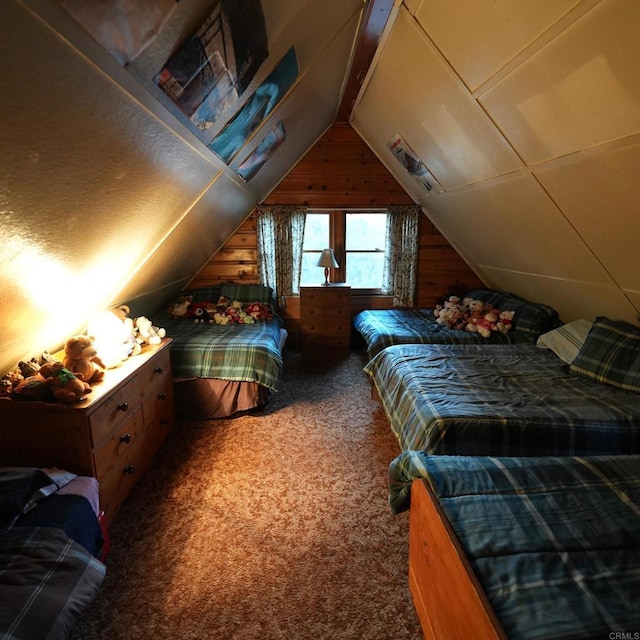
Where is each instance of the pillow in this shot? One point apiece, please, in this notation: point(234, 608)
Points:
point(567, 340)
point(246, 293)
point(204, 294)
point(531, 318)
point(611, 354)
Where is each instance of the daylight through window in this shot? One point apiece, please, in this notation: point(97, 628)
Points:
point(358, 240)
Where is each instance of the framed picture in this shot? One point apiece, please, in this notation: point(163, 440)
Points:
point(412, 163)
point(210, 72)
point(261, 103)
point(254, 162)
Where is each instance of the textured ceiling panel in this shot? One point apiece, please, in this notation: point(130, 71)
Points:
point(510, 223)
point(414, 93)
point(578, 91)
point(599, 196)
point(478, 37)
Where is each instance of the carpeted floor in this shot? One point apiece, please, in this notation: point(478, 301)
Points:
point(266, 526)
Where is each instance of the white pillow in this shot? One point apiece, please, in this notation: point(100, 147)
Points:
point(567, 340)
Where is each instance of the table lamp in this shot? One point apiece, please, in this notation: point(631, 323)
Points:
point(327, 260)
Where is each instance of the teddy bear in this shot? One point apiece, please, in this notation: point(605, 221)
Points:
point(147, 332)
point(259, 311)
point(179, 308)
point(487, 324)
point(81, 358)
point(505, 321)
point(65, 385)
point(221, 318)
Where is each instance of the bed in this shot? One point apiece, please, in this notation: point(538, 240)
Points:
point(525, 548)
point(51, 545)
point(516, 400)
point(220, 370)
point(381, 328)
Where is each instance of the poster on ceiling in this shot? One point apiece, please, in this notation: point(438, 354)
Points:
point(412, 163)
point(209, 73)
point(255, 161)
point(261, 103)
point(123, 27)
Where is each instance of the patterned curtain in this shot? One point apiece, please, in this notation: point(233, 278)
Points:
point(280, 232)
point(401, 254)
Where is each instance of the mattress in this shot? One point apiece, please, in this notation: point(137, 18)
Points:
point(516, 400)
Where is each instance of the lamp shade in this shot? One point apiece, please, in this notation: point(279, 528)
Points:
point(327, 259)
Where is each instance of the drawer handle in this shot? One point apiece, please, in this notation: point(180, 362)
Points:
point(129, 468)
point(158, 370)
point(162, 396)
point(123, 406)
point(126, 438)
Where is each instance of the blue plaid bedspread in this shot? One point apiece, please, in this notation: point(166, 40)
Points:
point(554, 542)
point(516, 400)
point(382, 328)
point(239, 352)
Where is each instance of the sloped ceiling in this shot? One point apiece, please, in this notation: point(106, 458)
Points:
point(108, 193)
point(527, 114)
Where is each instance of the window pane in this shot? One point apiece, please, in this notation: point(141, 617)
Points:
point(316, 231)
point(311, 274)
point(364, 270)
point(366, 231)
point(316, 238)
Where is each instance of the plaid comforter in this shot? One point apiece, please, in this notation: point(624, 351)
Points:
point(382, 328)
point(554, 542)
point(46, 581)
point(239, 352)
point(517, 400)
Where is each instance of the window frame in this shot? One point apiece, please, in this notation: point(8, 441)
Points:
point(337, 240)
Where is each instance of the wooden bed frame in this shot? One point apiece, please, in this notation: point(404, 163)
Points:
point(447, 596)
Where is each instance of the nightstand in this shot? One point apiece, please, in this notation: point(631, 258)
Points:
point(325, 320)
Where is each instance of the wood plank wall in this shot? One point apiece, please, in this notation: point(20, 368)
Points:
point(340, 171)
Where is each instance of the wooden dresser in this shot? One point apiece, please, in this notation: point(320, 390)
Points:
point(112, 435)
point(325, 320)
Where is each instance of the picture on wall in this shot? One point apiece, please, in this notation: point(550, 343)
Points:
point(261, 103)
point(255, 161)
point(412, 163)
point(210, 72)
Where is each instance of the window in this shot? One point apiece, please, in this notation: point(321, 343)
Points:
point(358, 240)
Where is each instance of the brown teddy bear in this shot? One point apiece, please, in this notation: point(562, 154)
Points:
point(81, 358)
point(65, 386)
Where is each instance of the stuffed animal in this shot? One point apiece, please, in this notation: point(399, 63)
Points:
point(65, 385)
point(505, 321)
point(6, 387)
point(487, 324)
point(221, 318)
point(81, 358)
point(179, 308)
point(259, 311)
point(147, 333)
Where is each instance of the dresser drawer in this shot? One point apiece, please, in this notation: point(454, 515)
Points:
point(156, 401)
point(116, 485)
point(114, 410)
point(120, 444)
point(155, 372)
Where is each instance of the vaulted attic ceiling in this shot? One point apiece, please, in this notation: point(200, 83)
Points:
point(526, 117)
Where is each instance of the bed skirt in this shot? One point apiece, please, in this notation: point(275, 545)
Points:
point(208, 398)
